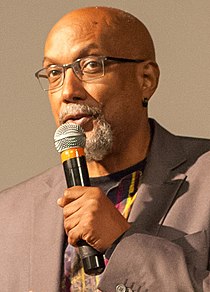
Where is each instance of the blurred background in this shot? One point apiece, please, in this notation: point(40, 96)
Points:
point(180, 30)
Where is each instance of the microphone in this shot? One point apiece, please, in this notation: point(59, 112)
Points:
point(70, 142)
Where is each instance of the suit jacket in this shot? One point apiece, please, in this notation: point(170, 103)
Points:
point(166, 249)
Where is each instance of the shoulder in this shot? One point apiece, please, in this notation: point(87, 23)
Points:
point(197, 151)
point(192, 144)
point(191, 147)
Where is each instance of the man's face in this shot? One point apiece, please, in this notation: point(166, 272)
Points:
point(116, 96)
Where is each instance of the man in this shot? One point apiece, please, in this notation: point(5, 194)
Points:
point(148, 207)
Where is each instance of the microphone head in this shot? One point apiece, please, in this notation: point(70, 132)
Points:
point(69, 135)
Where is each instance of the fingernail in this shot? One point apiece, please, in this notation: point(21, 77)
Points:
point(59, 201)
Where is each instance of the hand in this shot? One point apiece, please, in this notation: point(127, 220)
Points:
point(91, 216)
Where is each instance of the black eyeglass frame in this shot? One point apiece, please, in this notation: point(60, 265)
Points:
point(76, 68)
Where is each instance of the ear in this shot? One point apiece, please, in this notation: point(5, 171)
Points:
point(149, 78)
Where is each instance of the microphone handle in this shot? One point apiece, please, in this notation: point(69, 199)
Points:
point(76, 174)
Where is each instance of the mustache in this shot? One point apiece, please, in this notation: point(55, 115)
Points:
point(73, 109)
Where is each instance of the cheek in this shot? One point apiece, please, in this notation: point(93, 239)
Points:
point(120, 100)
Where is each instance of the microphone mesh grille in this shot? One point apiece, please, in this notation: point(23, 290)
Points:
point(69, 135)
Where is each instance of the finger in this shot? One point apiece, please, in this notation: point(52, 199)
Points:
point(75, 192)
point(78, 227)
point(70, 195)
point(70, 223)
point(74, 236)
point(71, 208)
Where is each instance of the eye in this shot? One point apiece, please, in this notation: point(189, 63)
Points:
point(91, 65)
point(54, 72)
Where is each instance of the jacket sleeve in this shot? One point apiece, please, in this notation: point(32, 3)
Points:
point(143, 262)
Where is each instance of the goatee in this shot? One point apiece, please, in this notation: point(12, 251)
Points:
point(99, 142)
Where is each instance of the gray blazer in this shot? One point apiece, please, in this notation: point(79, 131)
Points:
point(166, 249)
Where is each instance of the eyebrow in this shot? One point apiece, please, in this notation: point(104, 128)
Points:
point(46, 59)
point(82, 53)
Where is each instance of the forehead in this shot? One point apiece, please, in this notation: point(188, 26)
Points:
point(79, 37)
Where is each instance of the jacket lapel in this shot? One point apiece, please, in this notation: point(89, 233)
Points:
point(163, 180)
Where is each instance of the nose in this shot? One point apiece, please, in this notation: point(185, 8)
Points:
point(72, 89)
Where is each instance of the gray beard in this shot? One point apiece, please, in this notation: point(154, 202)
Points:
point(100, 141)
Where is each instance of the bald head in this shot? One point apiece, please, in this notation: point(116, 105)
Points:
point(118, 32)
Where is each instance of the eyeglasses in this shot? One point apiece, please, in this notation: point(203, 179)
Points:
point(86, 69)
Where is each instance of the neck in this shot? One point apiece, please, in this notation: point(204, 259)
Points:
point(123, 155)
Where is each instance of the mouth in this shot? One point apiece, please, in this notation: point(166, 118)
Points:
point(79, 119)
point(82, 115)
